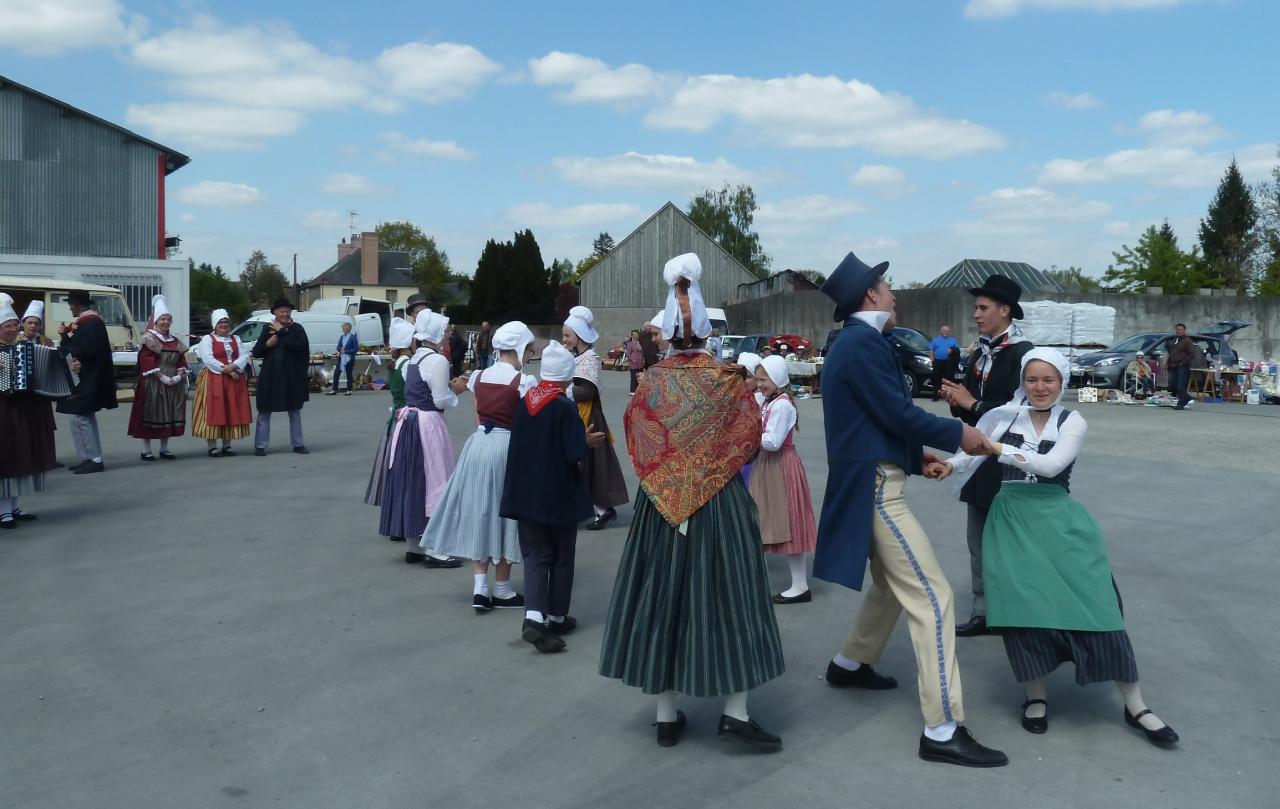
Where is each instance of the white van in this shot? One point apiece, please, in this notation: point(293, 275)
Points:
point(107, 301)
point(323, 330)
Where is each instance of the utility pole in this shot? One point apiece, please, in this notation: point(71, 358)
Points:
point(296, 295)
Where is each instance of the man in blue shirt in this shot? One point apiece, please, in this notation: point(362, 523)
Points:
point(946, 355)
point(348, 345)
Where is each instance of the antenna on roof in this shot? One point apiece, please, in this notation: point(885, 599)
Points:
point(352, 216)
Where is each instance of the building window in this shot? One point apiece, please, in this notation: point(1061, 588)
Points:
point(137, 290)
point(348, 291)
point(391, 295)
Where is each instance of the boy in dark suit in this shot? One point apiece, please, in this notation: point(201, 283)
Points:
point(545, 493)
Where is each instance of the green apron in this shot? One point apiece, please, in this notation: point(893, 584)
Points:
point(1045, 564)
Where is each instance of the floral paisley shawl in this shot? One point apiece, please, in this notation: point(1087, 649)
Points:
point(690, 427)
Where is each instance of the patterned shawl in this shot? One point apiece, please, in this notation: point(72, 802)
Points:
point(690, 427)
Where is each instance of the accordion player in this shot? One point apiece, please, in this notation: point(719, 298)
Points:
point(26, 367)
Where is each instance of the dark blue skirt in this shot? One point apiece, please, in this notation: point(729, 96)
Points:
point(404, 490)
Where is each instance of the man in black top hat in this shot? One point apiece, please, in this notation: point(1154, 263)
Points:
point(414, 304)
point(85, 342)
point(282, 382)
point(994, 374)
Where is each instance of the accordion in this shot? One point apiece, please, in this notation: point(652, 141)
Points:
point(26, 367)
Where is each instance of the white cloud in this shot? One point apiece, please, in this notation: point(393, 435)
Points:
point(434, 72)
point(1118, 228)
point(220, 194)
point(48, 27)
point(324, 220)
point(196, 124)
point(812, 208)
point(353, 185)
point(186, 218)
point(1165, 167)
point(1008, 8)
point(650, 171)
point(1072, 101)
point(397, 143)
point(592, 81)
point(543, 215)
point(809, 111)
point(1180, 128)
point(888, 181)
point(1036, 205)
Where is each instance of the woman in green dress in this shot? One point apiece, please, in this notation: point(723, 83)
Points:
point(400, 341)
point(1045, 565)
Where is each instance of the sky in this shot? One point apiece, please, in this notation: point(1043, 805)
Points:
point(919, 133)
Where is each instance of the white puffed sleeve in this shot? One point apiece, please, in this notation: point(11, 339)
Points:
point(204, 353)
point(245, 354)
point(435, 371)
point(1070, 440)
point(782, 417)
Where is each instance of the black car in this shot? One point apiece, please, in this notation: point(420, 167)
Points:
point(1106, 368)
point(912, 349)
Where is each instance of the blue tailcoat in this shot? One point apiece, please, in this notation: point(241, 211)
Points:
point(869, 418)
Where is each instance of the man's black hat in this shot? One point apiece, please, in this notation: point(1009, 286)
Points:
point(282, 302)
point(79, 297)
point(416, 299)
point(849, 282)
point(1002, 289)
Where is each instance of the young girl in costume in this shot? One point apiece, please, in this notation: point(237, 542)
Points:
point(400, 341)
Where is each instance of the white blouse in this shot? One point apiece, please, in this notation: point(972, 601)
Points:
point(1069, 441)
point(779, 416)
point(501, 373)
point(434, 370)
point(204, 352)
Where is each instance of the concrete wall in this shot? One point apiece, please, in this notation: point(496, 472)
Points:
point(808, 314)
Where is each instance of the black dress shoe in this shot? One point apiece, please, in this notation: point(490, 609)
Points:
point(669, 732)
point(803, 598)
point(1164, 737)
point(412, 558)
point(542, 640)
point(76, 466)
point(481, 603)
point(961, 749)
point(302, 450)
point(977, 625)
point(435, 562)
point(1035, 724)
point(22, 516)
point(147, 456)
point(511, 602)
point(7, 521)
point(602, 520)
point(396, 539)
point(228, 453)
point(88, 468)
point(563, 627)
point(214, 452)
point(748, 732)
point(863, 677)
point(166, 455)
point(260, 451)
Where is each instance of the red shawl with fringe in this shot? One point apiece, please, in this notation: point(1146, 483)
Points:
point(690, 427)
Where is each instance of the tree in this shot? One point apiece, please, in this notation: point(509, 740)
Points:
point(211, 288)
point(1166, 233)
point(603, 245)
point(817, 278)
point(1228, 235)
point(585, 265)
point(430, 264)
point(726, 216)
point(1157, 262)
point(1268, 196)
point(512, 283)
point(1075, 277)
point(262, 281)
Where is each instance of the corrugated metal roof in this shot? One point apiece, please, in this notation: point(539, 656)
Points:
point(973, 272)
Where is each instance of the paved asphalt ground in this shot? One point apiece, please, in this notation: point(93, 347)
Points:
point(234, 633)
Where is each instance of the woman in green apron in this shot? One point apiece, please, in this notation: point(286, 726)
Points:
point(1048, 578)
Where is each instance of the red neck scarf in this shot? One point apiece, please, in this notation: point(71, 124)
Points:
point(542, 395)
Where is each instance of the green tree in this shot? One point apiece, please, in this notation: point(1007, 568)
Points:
point(263, 282)
point(727, 216)
point(1157, 261)
point(583, 266)
point(603, 244)
point(430, 264)
point(512, 283)
point(814, 276)
point(1075, 277)
point(1228, 235)
point(1268, 196)
point(211, 288)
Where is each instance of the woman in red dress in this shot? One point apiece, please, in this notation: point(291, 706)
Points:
point(160, 396)
point(221, 409)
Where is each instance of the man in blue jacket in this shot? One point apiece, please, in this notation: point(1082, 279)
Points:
point(348, 346)
point(875, 438)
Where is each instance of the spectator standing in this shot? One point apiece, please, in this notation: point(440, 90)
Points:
point(484, 347)
point(1181, 353)
point(348, 345)
point(457, 352)
point(945, 352)
point(635, 358)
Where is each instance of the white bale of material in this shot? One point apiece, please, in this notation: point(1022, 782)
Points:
point(1047, 323)
point(1092, 325)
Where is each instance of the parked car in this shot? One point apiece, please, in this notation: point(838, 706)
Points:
point(752, 344)
point(1105, 369)
point(729, 347)
point(912, 350)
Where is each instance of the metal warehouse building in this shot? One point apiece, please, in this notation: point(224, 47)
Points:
point(625, 289)
point(84, 199)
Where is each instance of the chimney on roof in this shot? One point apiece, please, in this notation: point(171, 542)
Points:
point(345, 249)
point(368, 259)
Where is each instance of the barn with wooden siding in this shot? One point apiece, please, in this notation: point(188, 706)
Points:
point(625, 289)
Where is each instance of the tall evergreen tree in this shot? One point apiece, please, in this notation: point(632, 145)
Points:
point(1228, 236)
point(512, 283)
point(1166, 233)
point(602, 245)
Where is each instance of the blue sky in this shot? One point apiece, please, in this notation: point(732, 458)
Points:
point(1049, 131)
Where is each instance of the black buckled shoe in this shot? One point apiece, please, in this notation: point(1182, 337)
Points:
point(669, 732)
point(22, 516)
point(563, 627)
point(146, 456)
point(166, 455)
point(411, 558)
point(481, 603)
point(975, 626)
point(602, 520)
point(437, 562)
point(542, 640)
point(748, 732)
point(1035, 724)
point(863, 677)
point(803, 598)
point(961, 749)
point(1164, 737)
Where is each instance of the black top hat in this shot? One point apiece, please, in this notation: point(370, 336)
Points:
point(416, 299)
point(79, 297)
point(282, 302)
point(1002, 289)
point(849, 282)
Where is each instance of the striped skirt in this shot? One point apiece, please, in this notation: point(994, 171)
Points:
point(692, 613)
point(417, 473)
point(1099, 657)
point(200, 426)
point(378, 472)
point(466, 521)
point(780, 489)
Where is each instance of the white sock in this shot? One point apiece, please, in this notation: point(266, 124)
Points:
point(667, 706)
point(97, 459)
point(211, 443)
point(146, 445)
point(799, 578)
point(940, 733)
point(556, 619)
point(534, 615)
point(845, 663)
point(735, 705)
point(502, 589)
point(482, 584)
point(164, 445)
point(8, 504)
point(226, 443)
point(599, 511)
